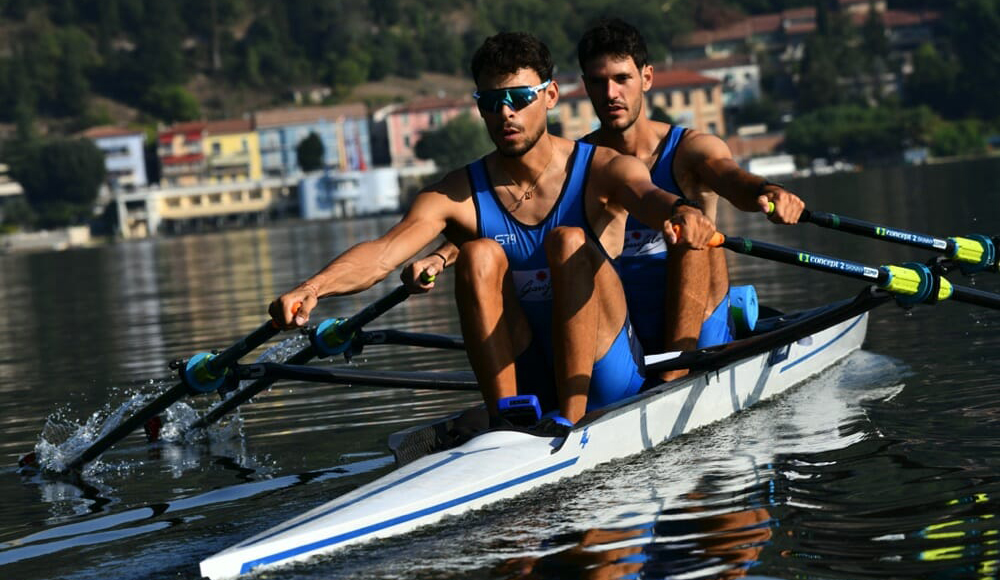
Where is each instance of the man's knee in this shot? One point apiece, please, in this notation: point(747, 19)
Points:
point(479, 261)
point(567, 242)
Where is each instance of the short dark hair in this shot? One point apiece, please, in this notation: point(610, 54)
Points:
point(612, 37)
point(508, 52)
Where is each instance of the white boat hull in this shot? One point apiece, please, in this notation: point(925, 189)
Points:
point(502, 464)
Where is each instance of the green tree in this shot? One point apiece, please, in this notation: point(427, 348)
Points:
point(974, 27)
point(309, 153)
point(171, 103)
point(61, 179)
point(456, 143)
point(963, 137)
point(933, 81)
point(818, 85)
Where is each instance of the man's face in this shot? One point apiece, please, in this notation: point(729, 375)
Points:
point(515, 130)
point(616, 86)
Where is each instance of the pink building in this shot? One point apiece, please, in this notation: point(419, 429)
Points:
point(406, 123)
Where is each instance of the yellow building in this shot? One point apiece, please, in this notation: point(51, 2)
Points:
point(232, 151)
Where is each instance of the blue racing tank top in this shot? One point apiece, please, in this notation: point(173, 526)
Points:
point(642, 263)
point(523, 244)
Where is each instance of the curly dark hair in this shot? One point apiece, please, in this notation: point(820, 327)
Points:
point(612, 37)
point(508, 52)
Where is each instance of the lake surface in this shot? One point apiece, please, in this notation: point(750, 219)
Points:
point(887, 466)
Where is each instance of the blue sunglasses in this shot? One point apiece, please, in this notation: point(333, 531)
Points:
point(516, 98)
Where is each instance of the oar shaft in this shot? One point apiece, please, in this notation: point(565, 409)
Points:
point(975, 252)
point(809, 260)
point(443, 381)
point(976, 296)
point(877, 231)
point(224, 359)
point(167, 398)
point(907, 281)
point(248, 392)
point(374, 310)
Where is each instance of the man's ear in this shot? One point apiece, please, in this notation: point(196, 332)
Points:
point(551, 94)
point(647, 77)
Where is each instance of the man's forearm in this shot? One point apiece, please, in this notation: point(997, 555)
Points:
point(357, 269)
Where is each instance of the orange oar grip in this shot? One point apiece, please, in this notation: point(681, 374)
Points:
point(295, 310)
point(717, 238)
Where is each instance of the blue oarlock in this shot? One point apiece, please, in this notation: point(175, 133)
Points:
point(199, 377)
point(328, 338)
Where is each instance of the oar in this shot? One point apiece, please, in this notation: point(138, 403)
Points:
point(912, 283)
point(333, 336)
point(435, 380)
point(974, 252)
point(203, 371)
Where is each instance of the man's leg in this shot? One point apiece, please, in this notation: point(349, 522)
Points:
point(493, 325)
point(589, 310)
point(689, 279)
point(719, 284)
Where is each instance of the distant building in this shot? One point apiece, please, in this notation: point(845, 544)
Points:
point(339, 194)
point(783, 34)
point(405, 124)
point(124, 157)
point(232, 151)
point(8, 187)
point(342, 129)
point(739, 75)
point(691, 99)
point(181, 151)
point(200, 206)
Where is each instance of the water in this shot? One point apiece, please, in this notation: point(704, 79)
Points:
point(884, 467)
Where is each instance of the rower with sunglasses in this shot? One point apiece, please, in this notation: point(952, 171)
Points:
point(541, 307)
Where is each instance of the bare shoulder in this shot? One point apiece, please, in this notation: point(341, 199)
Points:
point(453, 187)
point(703, 145)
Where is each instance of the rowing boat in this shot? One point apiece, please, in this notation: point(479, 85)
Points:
point(497, 464)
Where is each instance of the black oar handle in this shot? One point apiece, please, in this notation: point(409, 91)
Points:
point(374, 310)
point(224, 359)
point(877, 231)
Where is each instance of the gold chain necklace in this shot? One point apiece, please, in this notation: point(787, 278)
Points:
point(531, 188)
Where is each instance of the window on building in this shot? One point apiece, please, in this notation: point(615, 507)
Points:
point(406, 141)
point(245, 144)
point(173, 202)
point(256, 194)
point(574, 109)
point(215, 198)
point(687, 98)
point(713, 128)
point(216, 148)
point(708, 95)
